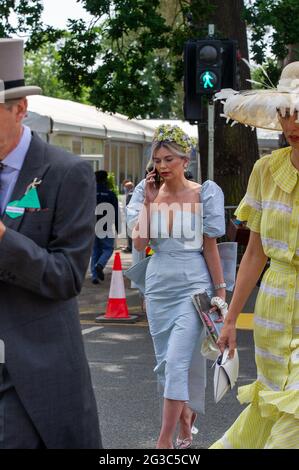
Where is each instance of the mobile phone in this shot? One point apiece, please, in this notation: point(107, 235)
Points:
point(157, 177)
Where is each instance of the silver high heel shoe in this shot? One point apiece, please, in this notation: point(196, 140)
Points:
point(187, 442)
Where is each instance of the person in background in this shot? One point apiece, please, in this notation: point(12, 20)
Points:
point(129, 189)
point(124, 182)
point(104, 240)
point(189, 175)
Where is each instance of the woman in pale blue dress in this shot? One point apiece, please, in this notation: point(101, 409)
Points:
point(182, 233)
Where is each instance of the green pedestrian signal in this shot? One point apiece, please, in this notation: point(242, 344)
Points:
point(208, 80)
point(208, 66)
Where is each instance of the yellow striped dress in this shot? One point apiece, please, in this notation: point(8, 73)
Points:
point(271, 208)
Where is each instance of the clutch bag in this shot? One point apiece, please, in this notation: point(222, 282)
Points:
point(225, 374)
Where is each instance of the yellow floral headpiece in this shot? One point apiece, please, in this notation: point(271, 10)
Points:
point(167, 133)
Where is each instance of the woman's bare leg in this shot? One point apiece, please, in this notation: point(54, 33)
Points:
point(187, 419)
point(172, 410)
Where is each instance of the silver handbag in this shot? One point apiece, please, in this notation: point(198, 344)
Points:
point(225, 374)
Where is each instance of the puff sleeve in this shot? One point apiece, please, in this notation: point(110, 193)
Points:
point(250, 208)
point(213, 210)
point(135, 205)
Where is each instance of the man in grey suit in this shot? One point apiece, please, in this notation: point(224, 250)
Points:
point(47, 205)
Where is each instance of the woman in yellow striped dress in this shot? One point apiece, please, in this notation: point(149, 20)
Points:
point(271, 208)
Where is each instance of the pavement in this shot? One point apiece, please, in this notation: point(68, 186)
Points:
point(121, 360)
point(93, 298)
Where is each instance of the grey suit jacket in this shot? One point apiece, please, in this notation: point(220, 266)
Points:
point(43, 259)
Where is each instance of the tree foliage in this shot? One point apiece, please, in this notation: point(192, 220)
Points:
point(41, 69)
point(130, 58)
point(20, 17)
point(275, 26)
point(118, 56)
point(130, 54)
point(23, 18)
point(266, 76)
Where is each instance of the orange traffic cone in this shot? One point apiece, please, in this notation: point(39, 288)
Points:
point(117, 303)
point(117, 308)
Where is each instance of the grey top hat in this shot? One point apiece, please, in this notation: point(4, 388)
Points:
point(12, 83)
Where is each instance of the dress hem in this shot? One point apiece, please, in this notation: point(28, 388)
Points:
point(270, 403)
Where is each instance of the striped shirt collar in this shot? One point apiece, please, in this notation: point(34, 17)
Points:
point(283, 171)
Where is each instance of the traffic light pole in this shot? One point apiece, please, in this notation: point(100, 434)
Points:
point(199, 174)
point(211, 121)
point(210, 65)
point(211, 130)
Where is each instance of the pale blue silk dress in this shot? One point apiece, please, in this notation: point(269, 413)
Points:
point(176, 270)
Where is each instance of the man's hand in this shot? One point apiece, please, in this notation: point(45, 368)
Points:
point(2, 230)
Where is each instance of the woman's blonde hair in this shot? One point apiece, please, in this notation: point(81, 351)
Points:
point(173, 147)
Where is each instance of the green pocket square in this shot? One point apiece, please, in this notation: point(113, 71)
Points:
point(17, 208)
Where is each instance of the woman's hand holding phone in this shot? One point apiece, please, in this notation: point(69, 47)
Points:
point(151, 186)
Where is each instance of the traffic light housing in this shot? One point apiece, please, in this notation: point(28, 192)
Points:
point(216, 57)
point(229, 64)
point(192, 101)
point(208, 66)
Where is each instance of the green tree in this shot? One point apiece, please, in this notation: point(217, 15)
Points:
point(235, 147)
point(42, 69)
point(23, 17)
point(142, 68)
point(131, 54)
point(118, 54)
point(267, 75)
point(274, 25)
point(130, 57)
point(112, 183)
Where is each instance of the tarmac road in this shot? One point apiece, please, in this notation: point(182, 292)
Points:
point(121, 359)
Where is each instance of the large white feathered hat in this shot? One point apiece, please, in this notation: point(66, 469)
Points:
point(258, 108)
point(12, 83)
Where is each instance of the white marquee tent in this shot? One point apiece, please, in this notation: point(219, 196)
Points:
point(93, 134)
point(65, 116)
